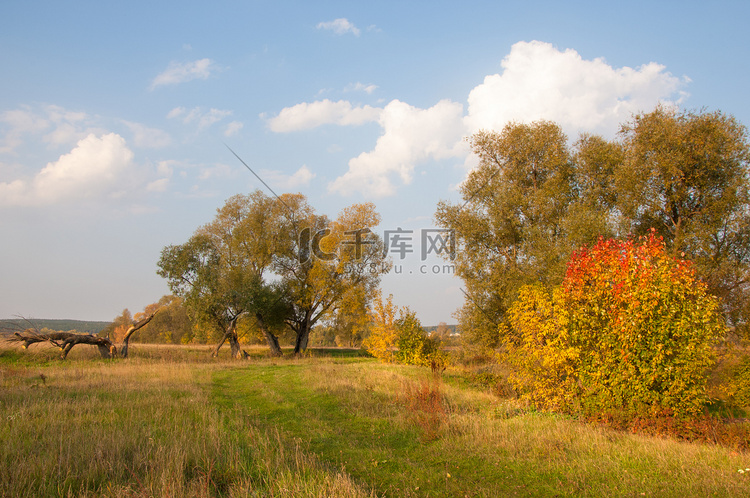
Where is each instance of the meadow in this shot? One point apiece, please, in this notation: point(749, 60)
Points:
point(171, 421)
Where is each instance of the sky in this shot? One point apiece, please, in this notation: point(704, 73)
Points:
point(116, 119)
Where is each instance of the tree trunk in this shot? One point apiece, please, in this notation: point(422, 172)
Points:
point(66, 340)
point(133, 328)
point(215, 353)
point(271, 339)
point(230, 335)
point(234, 344)
point(303, 334)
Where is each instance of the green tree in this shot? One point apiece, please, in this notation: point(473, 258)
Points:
point(172, 321)
point(685, 175)
point(350, 321)
point(276, 260)
point(531, 202)
point(594, 207)
point(510, 227)
point(321, 262)
point(220, 271)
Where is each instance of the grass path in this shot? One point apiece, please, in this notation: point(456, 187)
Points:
point(357, 417)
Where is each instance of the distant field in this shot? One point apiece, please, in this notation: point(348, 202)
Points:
point(170, 421)
point(90, 327)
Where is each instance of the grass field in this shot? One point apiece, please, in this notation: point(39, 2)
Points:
point(174, 422)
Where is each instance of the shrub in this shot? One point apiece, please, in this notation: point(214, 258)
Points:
point(401, 339)
point(414, 347)
point(629, 332)
point(382, 339)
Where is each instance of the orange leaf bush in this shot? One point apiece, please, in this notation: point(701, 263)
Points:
point(629, 332)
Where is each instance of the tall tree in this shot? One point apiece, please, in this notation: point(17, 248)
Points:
point(323, 261)
point(510, 226)
point(593, 210)
point(685, 175)
point(530, 202)
point(274, 259)
point(171, 325)
point(220, 271)
point(116, 330)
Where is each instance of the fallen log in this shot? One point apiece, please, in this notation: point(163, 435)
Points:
point(65, 341)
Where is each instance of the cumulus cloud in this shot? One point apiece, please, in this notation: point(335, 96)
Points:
point(538, 81)
point(310, 115)
point(178, 72)
point(541, 82)
point(339, 26)
point(410, 135)
point(94, 167)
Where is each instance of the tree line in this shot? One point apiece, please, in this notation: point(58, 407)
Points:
point(533, 200)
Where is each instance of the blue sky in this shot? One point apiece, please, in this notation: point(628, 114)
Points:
point(114, 118)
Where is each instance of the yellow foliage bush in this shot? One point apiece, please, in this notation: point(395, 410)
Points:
point(628, 333)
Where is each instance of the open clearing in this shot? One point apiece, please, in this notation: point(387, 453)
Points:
point(171, 422)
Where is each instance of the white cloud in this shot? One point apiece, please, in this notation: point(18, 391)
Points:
point(339, 26)
point(166, 168)
point(218, 170)
point(183, 72)
point(302, 177)
point(541, 82)
point(211, 117)
point(24, 120)
point(152, 138)
point(176, 112)
point(19, 123)
point(310, 115)
point(159, 185)
point(361, 87)
point(95, 167)
point(538, 82)
point(204, 119)
point(233, 128)
point(59, 114)
point(62, 126)
point(65, 133)
point(410, 135)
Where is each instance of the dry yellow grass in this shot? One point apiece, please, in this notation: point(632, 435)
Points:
point(140, 428)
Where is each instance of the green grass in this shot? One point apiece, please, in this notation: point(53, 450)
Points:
point(173, 422)
point(356, 416)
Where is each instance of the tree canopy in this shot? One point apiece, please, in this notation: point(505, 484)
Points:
point(276, 261)
point(533, 200)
